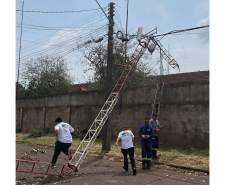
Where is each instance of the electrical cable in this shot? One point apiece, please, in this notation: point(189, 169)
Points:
point(54, 47)
point(59, 12)
point(179, 31)
point(102, 9)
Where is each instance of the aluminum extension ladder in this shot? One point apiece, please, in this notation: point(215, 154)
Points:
point(108, 106)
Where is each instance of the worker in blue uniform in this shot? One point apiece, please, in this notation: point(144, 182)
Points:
point(146, 133)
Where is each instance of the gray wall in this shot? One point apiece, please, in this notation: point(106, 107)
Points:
point(184, 111)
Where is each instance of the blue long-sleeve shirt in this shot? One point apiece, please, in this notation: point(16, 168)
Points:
point(146, 130)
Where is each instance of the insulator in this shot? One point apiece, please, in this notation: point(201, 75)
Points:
point(99, 39)
point(139, 33)
point(119, 35)
point(143, 43)
point(151, 47)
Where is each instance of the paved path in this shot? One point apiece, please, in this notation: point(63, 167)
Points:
point(100, 171)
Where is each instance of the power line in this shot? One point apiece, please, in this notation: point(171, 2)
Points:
point(119, 18)
point(127, 13)
point(94, 21)
point(179, 31)
point(58, 12)
point(101, 9)
point(65, 28)
point(57, 27)
point(69, 43)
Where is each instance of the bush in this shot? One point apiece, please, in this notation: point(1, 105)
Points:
point(46, 131)
point(18, 130)
point(36, 133)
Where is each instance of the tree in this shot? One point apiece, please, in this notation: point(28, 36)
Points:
point(46, 76)
point(97, 59)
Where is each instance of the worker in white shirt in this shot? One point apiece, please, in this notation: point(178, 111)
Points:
point(126, 138)
point(64, 139)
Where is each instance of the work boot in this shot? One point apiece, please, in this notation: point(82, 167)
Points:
point(134, 171)
point(73, 167)
point(143, 164)
point(148, 164)
point(154, 154)
point(126, 169)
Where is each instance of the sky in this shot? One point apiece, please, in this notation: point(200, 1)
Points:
point(58, 33)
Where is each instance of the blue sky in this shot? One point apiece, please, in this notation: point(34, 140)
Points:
point(191, 50)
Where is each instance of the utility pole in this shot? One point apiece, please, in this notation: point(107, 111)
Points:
point(106, 134)
point(127, 15)
point(168, 65)
point(21, 32)
point(161, 70)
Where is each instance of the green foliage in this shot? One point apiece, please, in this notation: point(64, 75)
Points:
point(46, 76)
point(18, 130)
point(39, 132)
point(35, 133)
point(97, 60)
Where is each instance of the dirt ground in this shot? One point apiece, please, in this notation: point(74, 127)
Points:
point(98, 170)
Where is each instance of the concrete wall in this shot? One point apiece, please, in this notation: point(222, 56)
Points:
point(184, 111)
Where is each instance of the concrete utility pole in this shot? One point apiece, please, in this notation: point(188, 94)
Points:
point(21, 32)
point(106, 137)
point(161, 69)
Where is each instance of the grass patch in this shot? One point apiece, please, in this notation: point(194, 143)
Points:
point(190, 157)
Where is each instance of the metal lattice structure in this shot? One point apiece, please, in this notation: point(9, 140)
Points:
point(165, 54)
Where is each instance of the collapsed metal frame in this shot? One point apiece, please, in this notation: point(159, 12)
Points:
point(33, 166)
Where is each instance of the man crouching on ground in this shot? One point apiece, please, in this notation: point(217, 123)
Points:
point(64, 139)
point(125, 138)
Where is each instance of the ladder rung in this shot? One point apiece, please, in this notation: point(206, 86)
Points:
point(78, 152)
point(91, 130)
point(85, 141)
point(98, 120)
point(115, 93)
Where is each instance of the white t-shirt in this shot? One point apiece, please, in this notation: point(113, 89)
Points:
point(64, 132)
point(126, 138)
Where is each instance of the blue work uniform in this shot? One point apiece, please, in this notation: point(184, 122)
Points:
point(146, 145)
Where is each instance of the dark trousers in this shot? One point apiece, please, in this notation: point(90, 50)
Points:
point(60, 147)
point(125, 152)
point(146, 148)
point(155, 145)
